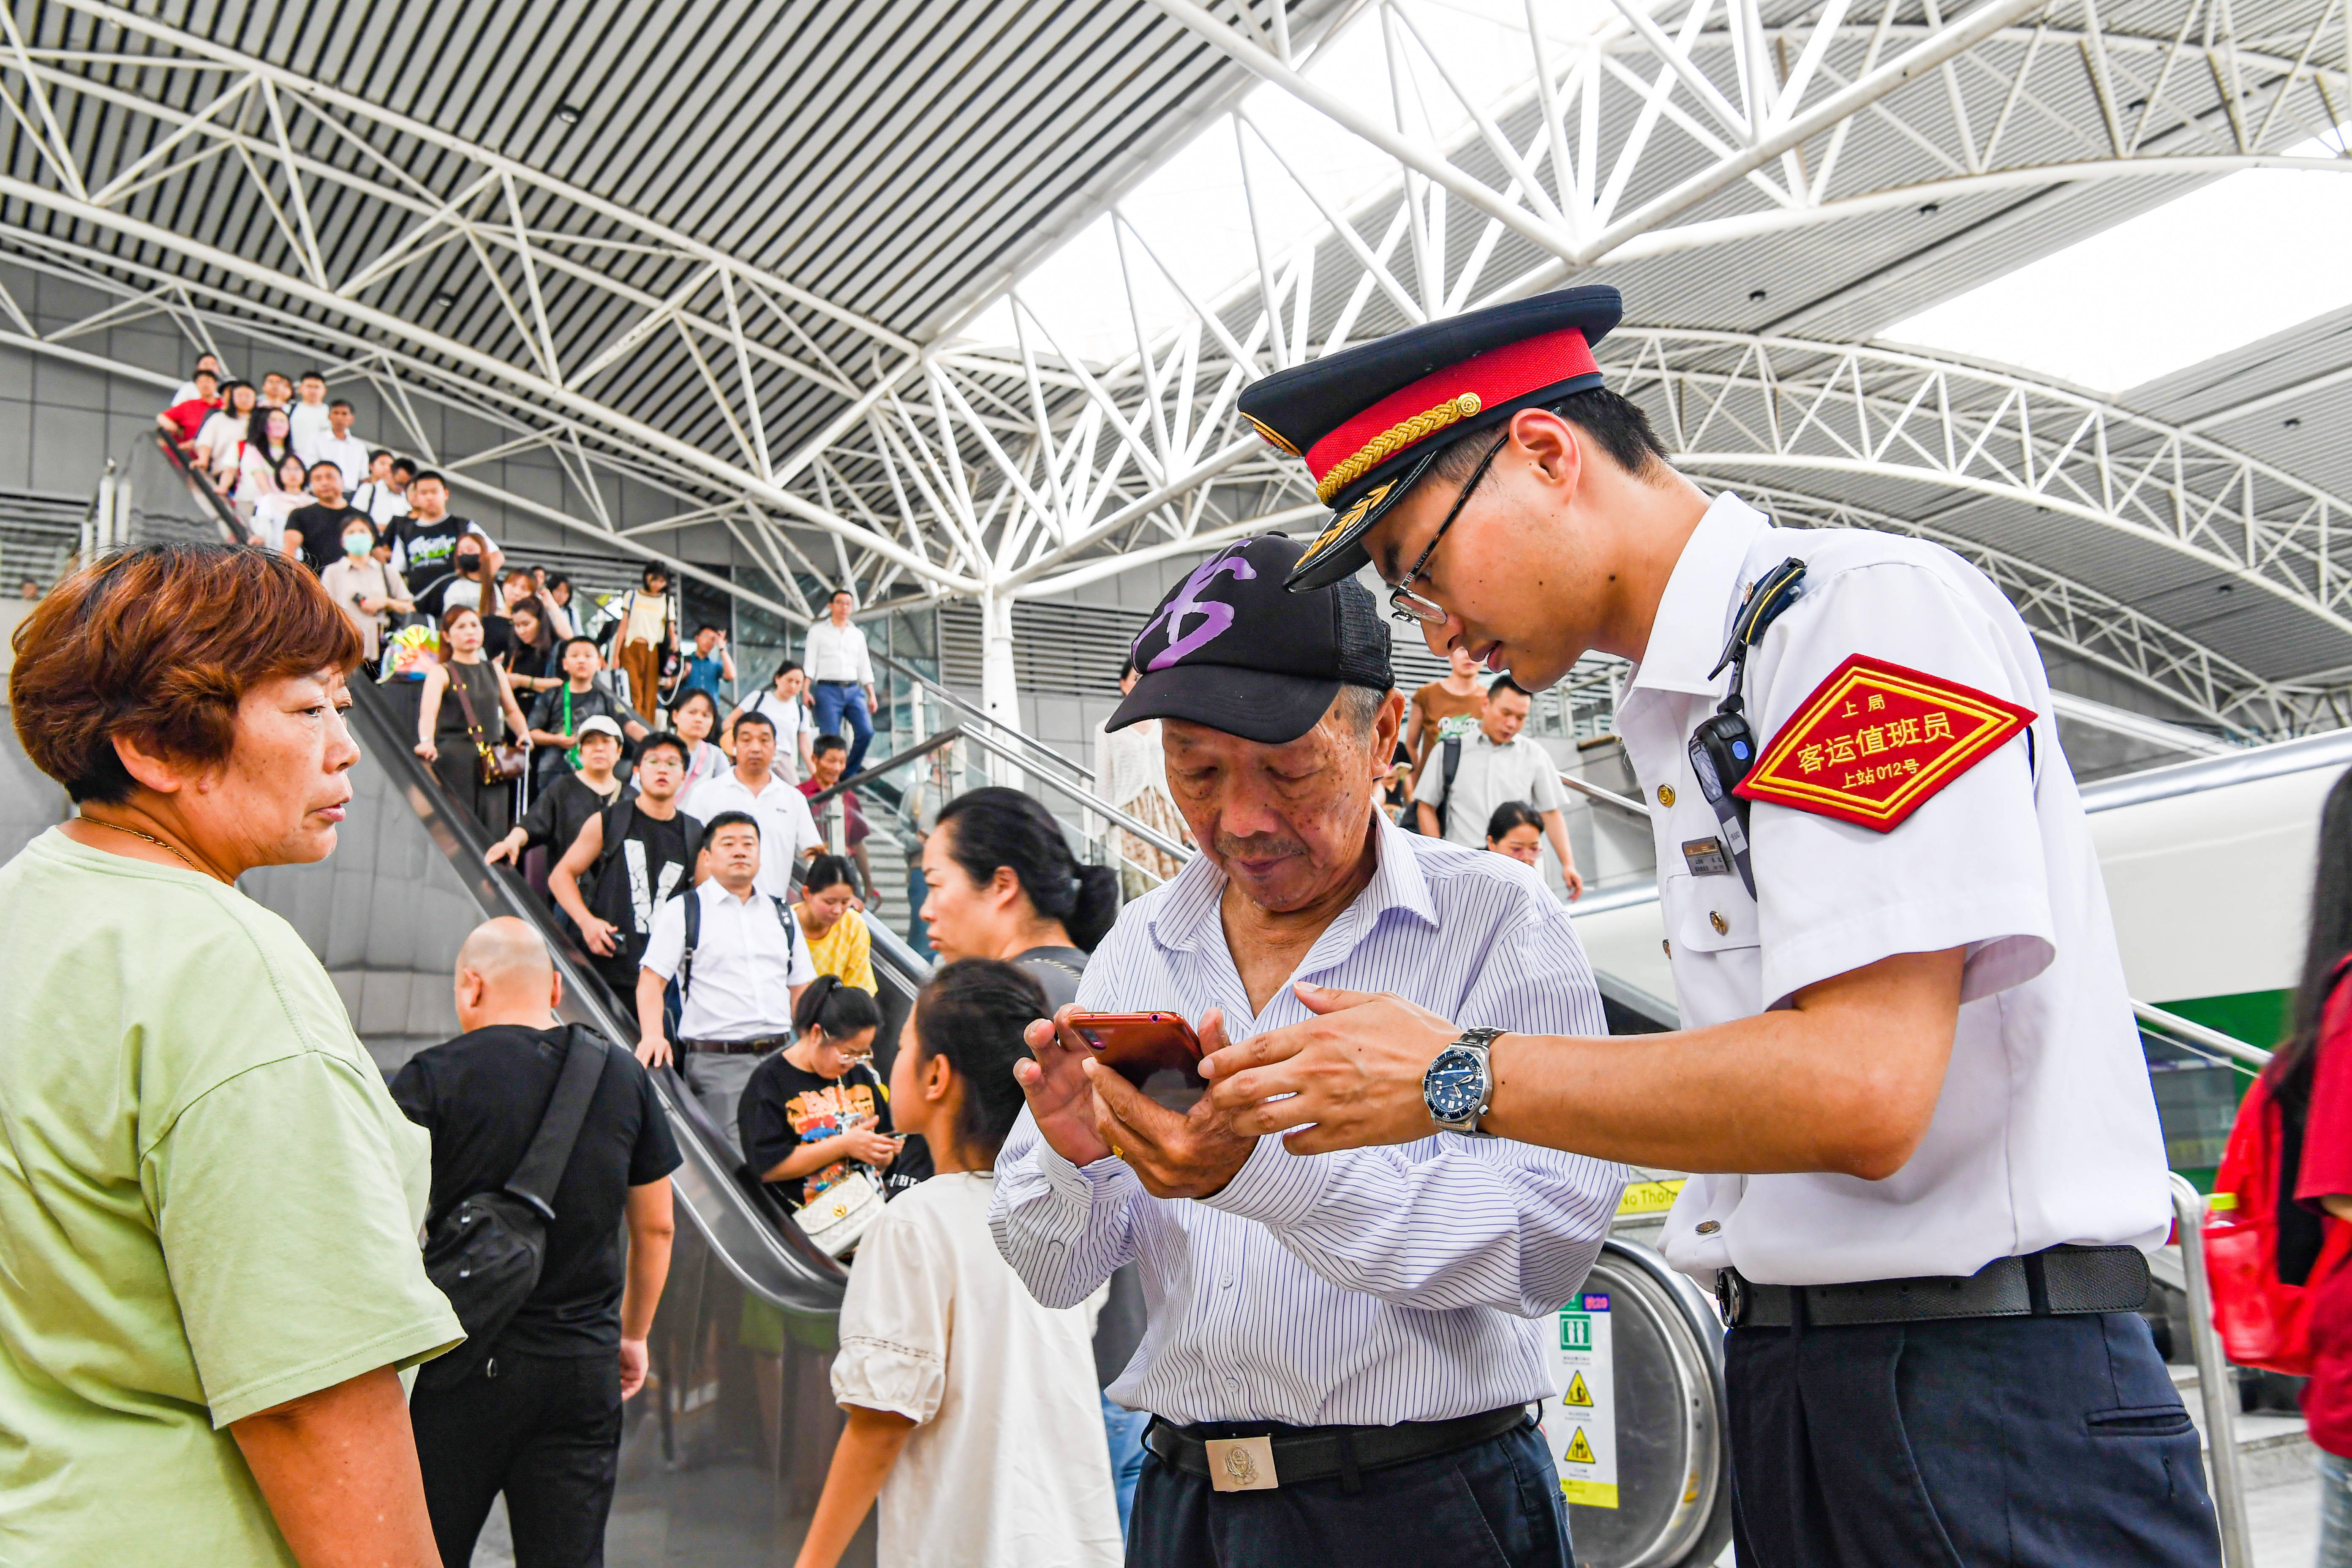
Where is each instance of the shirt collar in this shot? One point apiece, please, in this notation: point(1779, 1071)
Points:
point(1686, 637)
point(1187, 916)
point(715, 892)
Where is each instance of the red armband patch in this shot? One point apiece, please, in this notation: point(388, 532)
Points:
point(1875, 741)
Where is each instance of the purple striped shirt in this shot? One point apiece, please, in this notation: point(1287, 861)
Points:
point(1365, 1288)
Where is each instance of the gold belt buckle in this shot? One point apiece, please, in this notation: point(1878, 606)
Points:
point(1242, 1463)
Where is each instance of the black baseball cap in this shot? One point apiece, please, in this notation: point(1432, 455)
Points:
point(1229, 649)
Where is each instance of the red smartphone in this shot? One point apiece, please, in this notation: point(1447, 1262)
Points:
point(1143, 1045)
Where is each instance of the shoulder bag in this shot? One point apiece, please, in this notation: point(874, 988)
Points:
point(501, 762)
point(485, 1254)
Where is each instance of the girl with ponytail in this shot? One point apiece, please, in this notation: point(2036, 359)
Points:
point(1003, 884)
point(972, 1412)
point(815, 1112)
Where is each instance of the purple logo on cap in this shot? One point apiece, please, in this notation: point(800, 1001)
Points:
point(1216, 616)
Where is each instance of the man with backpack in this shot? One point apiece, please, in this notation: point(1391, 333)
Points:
point(635, 854)
point(1465, 777)
point(741, 964)
point(530, 1405)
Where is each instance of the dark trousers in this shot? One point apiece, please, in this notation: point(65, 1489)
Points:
point(546, 1431)
point(1493, 1503)
point(2026, 1442)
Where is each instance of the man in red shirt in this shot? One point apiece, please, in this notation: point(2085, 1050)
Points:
point(182, 420)
point(829, 760)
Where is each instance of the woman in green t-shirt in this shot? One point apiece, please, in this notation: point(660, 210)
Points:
point(210, 1199)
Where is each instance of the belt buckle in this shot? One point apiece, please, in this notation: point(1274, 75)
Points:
point(1242, 1463)
point(1730, 1297)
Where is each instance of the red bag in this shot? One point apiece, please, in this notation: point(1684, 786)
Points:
point(2263, 1320)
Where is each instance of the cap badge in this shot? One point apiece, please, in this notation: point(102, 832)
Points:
point(1216, 616)
point(1394, 439)
point(1273, 436)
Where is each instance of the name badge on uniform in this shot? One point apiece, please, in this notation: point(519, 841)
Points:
point(1242, 1463)
point(1706, 857)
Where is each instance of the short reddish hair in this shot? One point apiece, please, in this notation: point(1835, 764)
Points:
point(160, 643)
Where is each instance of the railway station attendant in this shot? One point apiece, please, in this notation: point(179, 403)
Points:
point(1930, 1163)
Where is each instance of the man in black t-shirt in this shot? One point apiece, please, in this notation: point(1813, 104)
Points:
point(541, 1420)
point(632, 856)
point(423, 540)
point(317, 529)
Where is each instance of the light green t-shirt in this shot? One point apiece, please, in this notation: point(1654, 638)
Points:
point(208, 1206)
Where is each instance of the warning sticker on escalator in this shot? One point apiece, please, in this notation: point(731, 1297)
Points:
point(1580, 1425)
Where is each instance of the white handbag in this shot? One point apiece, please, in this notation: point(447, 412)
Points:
point(836, 1218)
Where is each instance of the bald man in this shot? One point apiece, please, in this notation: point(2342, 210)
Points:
point(541, 1420)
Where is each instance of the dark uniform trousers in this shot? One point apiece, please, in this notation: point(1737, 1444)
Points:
point(546, 1431)
point(1963, 1443)
point(1495, 1504)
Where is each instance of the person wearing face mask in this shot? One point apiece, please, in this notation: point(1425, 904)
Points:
point(364, 587)
point(316, 531)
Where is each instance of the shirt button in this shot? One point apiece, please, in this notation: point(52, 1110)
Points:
point(1709, 1227)
point(1722, 927)
point(1226, 1283)
point(1665, 794)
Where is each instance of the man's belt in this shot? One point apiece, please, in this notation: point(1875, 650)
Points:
point(750, 1048)
point(1296, 1453)
point(836, 683)
point(2055, 1282)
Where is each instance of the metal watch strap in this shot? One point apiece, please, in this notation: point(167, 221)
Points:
point(1480, 1041)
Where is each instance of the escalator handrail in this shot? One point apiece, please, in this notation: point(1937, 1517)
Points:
point(771, 1259)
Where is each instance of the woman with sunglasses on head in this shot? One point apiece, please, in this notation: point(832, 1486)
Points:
point(972, 1415)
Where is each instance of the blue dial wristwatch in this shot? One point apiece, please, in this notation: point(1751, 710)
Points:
point(1459, 1082)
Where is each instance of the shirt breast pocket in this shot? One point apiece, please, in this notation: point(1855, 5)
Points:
point(1709, 914)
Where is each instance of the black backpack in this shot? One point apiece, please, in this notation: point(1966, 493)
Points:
point(609, 898)
point(1449, 766)
point(485, 1254)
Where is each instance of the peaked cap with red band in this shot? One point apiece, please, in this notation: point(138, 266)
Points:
point(1369, 420)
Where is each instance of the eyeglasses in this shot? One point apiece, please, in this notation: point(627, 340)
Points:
point(1408, 606)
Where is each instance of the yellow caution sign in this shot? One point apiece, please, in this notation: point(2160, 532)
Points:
point(1581, 1424)
point(1649, 1197)
point(1579, 1450)
point(1576, 1392)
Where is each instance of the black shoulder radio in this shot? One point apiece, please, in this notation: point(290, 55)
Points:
point(1723, 750)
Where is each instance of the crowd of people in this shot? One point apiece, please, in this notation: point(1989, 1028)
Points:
point(1302, 1307)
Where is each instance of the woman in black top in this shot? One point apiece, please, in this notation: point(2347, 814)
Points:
point(443, 737)
point(1003, 884)
point(533, 662)
point(817, 1113)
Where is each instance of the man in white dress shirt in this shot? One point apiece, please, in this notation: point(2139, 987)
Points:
point(843, 675)
point(749, 966)
point(1362, 1334)
point(341, 447)
point(787, 830)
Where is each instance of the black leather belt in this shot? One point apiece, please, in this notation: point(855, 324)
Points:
point(750, 1048)
point(2055, 1282)
point(1289, 1455)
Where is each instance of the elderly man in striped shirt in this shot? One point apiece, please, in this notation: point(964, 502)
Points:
point(1358, 1336)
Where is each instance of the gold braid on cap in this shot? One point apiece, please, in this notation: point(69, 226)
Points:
point(1393, 440)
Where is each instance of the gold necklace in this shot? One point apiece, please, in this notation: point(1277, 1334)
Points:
point(135, 833)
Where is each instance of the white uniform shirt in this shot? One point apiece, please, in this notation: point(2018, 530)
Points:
point(745, 963)
point(935, 1328)
point(307, 430)
point(2045, 1131)
point(837, 653)
point(786, 829)
point(1488, 776)
point(1368, 1287)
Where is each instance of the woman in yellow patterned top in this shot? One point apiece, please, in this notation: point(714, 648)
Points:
point(839, 943)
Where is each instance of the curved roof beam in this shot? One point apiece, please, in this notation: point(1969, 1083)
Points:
point(1734, 402)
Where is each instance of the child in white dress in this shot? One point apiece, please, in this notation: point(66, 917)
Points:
point(972, 1410)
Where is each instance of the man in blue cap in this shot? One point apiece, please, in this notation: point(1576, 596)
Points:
point(1909, 1059)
